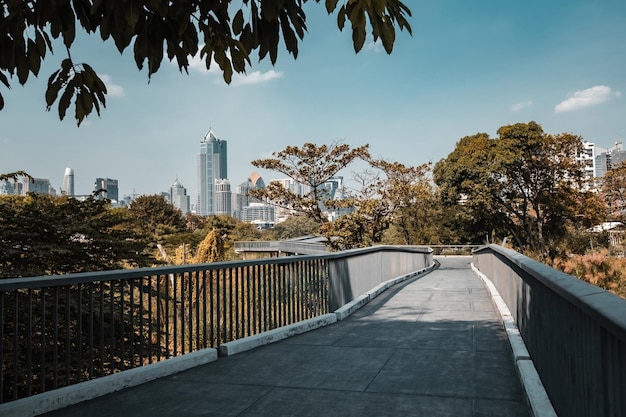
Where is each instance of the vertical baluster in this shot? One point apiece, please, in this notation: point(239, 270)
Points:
point(29, 348)
point(131, 320)
point(213, 307)
point(2, 319)
point(122, 327)
point(68, 344)
point(140, 313)
point(90, 336)
point(112, 343)
point(167, 309)
point(236, 302)
point(204, 310)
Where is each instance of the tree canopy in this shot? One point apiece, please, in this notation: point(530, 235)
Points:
point(525, 183)
point(311, 166)
point(222, 32)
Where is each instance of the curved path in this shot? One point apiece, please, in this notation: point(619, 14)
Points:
point(431, 346)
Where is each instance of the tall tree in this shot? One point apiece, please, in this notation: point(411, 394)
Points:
point(524, 181)
point(311, 166)
point(152, 216)
point(223, 32)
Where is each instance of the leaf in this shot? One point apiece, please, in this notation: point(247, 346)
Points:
point(4, 80)
point(331, 5)
point(1, 102)
point(66, 97)
point(34, 59)
point(238, 22)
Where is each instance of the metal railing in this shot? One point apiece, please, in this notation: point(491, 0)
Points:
point(575, 332)
point(61, 330)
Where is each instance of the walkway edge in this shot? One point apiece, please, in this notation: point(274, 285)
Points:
point(88, 390)
point(536, 395)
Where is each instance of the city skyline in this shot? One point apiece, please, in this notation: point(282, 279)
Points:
point(468, 68)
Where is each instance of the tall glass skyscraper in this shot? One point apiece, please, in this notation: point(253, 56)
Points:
point(68, 182)
point(211, 166)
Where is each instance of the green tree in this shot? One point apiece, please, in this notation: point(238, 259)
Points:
point(524, 182)
point(152, 216)
point(311, 166)
point(45, 235)
point(224, 32)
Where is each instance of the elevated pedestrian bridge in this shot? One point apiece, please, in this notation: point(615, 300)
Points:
point(381, 331)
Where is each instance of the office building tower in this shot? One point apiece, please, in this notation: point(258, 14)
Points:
point(107, 188)
point(39, 186)
point(211, 166)
point(222, 197)
point(6, 187)
point(68, 182)
point(178, 197)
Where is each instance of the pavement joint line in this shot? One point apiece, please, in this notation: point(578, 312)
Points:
point(536, 396)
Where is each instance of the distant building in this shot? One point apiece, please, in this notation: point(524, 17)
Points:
point(222, 204)
point(178, 197)
point(211, 166)
point(258, 213)
point(241, 197)
point(68, 182)
point(609, 158)
point(39, 186)
point(7, 187)
point(107, 188)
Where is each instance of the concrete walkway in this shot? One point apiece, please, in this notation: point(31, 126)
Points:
point(431, 346)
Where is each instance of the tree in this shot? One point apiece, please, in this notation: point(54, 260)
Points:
point(211, 249)
point(311, 166)
point(224, 32)
point(293, 226)
point(45, 235)
point(614, 190)
point(152, 216)
point(524, 182)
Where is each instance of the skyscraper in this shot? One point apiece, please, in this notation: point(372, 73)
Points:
point(211, 166)
point(110, 187)
point(68, 182)
point(222, 198)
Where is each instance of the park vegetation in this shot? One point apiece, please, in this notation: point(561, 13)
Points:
point(523, 187)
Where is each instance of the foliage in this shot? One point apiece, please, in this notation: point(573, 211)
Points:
point(614, 190)
point(223, 32)
point(311, 166)
point(45, 235)
point(152, 216)
point(524, 183)
point(597, 268)
point(211, 249)
point(293, 226)
point(393, 195)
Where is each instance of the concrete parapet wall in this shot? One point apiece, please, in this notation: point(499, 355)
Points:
point(575, 332)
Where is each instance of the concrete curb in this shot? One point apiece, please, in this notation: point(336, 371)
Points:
point(73, 394)
point(274, 335)
point(536, 395)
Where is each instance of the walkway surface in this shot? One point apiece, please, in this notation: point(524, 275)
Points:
point(431, 346)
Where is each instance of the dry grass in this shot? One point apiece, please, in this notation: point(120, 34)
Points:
point(597, 268)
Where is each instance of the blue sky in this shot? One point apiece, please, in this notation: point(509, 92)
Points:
point(469, 67)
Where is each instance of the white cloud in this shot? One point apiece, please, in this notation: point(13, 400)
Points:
point(256, 77)
point(521, 106)
point(198, 64)
point(374, 46)
point(586, 98)
point(113, 90)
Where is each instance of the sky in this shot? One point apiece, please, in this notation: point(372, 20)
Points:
point(469, 67)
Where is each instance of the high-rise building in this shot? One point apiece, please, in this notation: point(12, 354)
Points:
point(68, 182)
point(107, 188)
point(211, 166)
point(178, 197)
point(38, 185)
point(222, 197)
